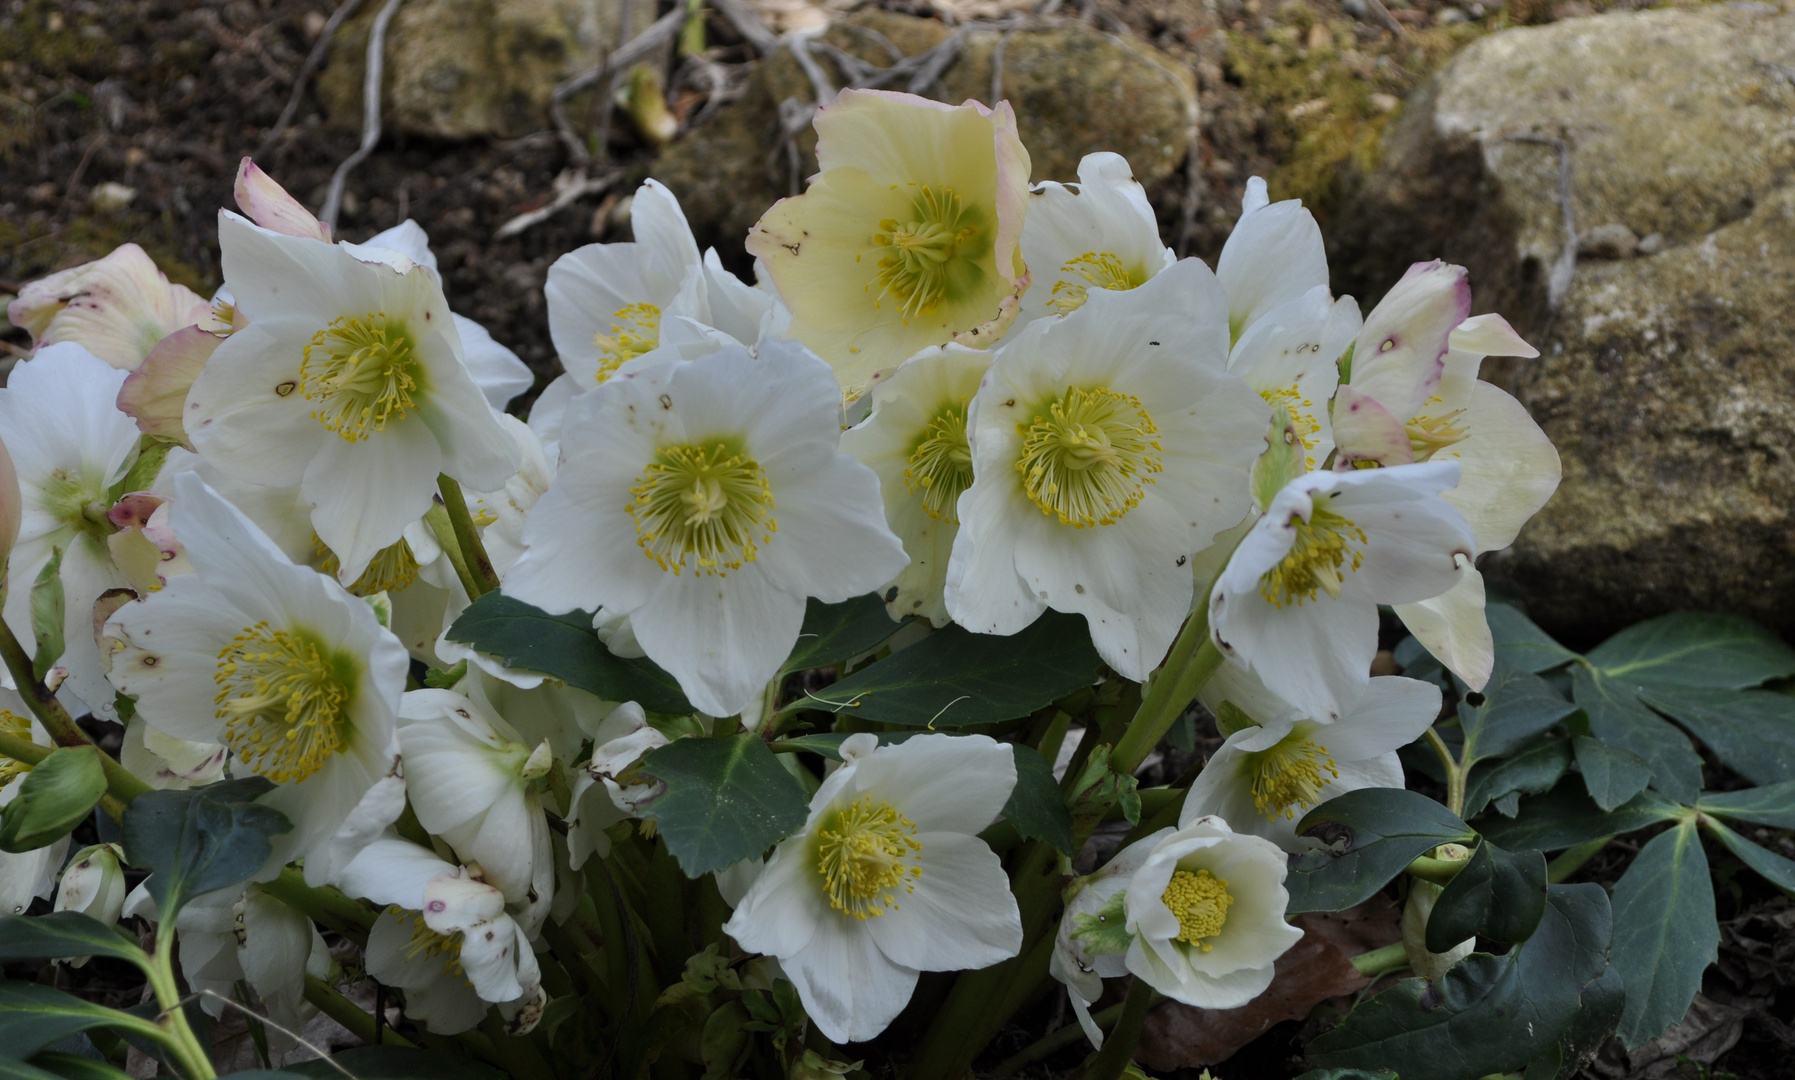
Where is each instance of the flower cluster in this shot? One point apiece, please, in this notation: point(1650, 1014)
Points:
point(265, 516)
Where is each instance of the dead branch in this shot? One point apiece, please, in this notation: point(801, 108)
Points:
point(569, 188)
point(370, 135)
point(637, 48)
point(747, 24)
point(313, 61)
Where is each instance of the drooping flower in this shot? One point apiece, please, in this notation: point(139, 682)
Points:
point(93, 883)
point(1092, 942)
point(1273, 256)
point(1107, 447)
point(226, 938)
point(1206, 911)
point(608, 789)
point(910, 236)
point(705, 499)
point(1297, 601)
point(887, 879)
point(117, 307)
point(1277, 764)
point(1099, 233)
point(278, 663)
point(348, 381)
point(915, 439)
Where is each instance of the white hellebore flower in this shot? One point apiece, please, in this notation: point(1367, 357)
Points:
point(705, 499)
point(608, 789)
point(1279, 764)
point(1289, 356)
point(226, 938)
point(349, 381)
point(1092, 942)
point(278, 663)
point(445, 938)
point(1099, 233)
point(70, 447)
point(1297, 602)
point(1107, 447)
point(117, 307)
point(1206, 909)
point(915, 439)
point(1273, 256)
point(888, 879)
point(25, 875)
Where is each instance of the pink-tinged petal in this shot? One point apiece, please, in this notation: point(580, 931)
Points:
point(133, 510)
point(1401, 348)
point(155, 394)
point(1365, 432)
point(1490, 335)
point(118, 307)
point(269, 205)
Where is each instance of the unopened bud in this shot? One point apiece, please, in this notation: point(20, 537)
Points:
point(94, 885)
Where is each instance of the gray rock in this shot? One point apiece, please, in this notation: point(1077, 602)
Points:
point(1668, 383)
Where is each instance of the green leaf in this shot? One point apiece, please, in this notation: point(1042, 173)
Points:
point(725, 800)
point(200, 840)
point(19, 1070)
point(54, 797)
point(828, 743)
point(1518, 707)
point(1036, 806)
point(1565, 817)
point(1598, 1012)
point(1372, 835)
point(1528, 773)
point(1665, 933)
point(565, 647)
point(72, 1067)
point(1774, 868)
point(1695, 649)
point(394, 1063)
point(151, 454)
point(1611, 775)
point(954, 678)
point(1619, 718)
point(1773, 804)
point(1498, 895)
point(1488, 1014)
point(63, 933)
point(47, 616)
point(33, 1016)
point(1521, 644)
point(1417, 663)
point(836, 632)
point(1752, 732)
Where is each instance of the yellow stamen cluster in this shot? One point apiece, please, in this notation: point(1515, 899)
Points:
point(427, 944)
point(1428, 435)
point(1324, 545)
point(19, 728)
point(704, 507)
point(1200, 901)
point(1088, 456)
point(1287, 778)
point(1302, 415)
point(284, 700)
point(866, 856)
point(636, 331)
point(392, 568)
point(1099, 269)
point(362, 373)
point(916, 257)
point(941, 465)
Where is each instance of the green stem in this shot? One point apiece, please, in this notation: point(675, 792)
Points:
point(1572, 859)
point(1193, 658)
point(349, 1014)
point(1455, 773)
point(479, 565)
point(1055, 1042)
point(444, 531)
point(57, 721)
point(23, 750)
point(182, 1044)
point(1381, 961)
point(324, 904)
point(1118, 1049)
point(1438, 871)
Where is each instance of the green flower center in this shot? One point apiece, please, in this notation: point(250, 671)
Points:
point(19, 728)
point(1088, 456)
point(922, 259)
point(1100, 270)
point(362, 373)
point(941, 465)
point(1200, 901)
point(636, 331)
point(284, 700)
point(707, 507)
point(864, 855)
point(1323, 549)
point(1288, 777)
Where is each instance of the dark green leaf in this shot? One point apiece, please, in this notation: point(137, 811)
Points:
point(75, 1067)
point(19, 1070)
point(1619, 718)
point(566, 647)
point(63, 933)
point(1522, 644)
point(1611, 775)
point(1565, 817)
point(1527, 773)
point(1372, 835)
point(1598, 1012)
point(1417, 663)
point(53, 798)
point(1752, 732)
point(1773, 804)
point(1488, 1014)
point(33, 1016)
point(1036, 806)
point(828, 743)
point(1518, 706)
point(953, 678)
point(725, 800)
point(1695, 649)
point(1774, 868)
point(1499, 895)
point(47, 616)
point(1665, 934)
point(200, 840)
point(395, 1063)
point(836, 632)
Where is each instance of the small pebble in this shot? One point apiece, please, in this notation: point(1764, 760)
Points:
point(1651, 245)
point(1614, 241)
point(1447, 16)
point(1386, 102)
point(111, 196)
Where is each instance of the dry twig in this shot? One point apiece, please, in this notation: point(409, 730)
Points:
point(658, 34)
point(569, 187)
point(370, 135)
point(747, 24)
point(312, 62)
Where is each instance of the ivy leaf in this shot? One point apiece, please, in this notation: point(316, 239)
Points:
point(1530, 772)
point(1665, 933)
point(1522, 644)
point(836, 632)
point(53, 798)
point(1611, 775)
point(565, 647)
point(1774, 868)
point(1752, 732)
point(1498, 895)
point(1036, 807)
point(1518, 707)
point(1773, 805)
point(200, 840)
point(953, 678)
point(63, 933)
point(1565, 817)
point(725, 800)
point(1372, 835)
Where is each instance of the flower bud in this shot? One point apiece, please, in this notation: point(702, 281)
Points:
point(93, 884)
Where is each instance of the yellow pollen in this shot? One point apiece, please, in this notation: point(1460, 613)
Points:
point(391, 569)
point(1088, 456)
point(19, 728)
point(361, 372)
point(1324, 545)
point(1428, 435)
point(1099, 269)
point(923, 259)
point(636, 331)
point(284, 701)
point(1200, 901)
point(1302, 413)
point(427, 944)
point(866, 857)
point(1287, 778)
point(706, 507)
point(941, 465)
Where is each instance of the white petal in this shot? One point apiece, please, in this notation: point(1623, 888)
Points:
point(928, 778)
point(721, 637)
point(496, 370)
point(850, 990)
point(1452, 627)
point(364, 494)
point(1510, 468)
point(1274, 255)
point(961, 914)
